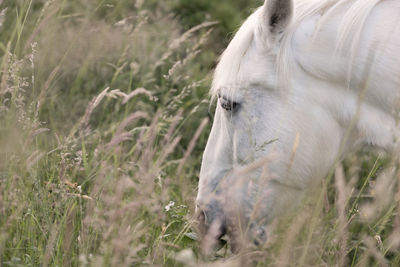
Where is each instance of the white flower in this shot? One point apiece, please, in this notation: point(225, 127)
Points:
point(169, 206)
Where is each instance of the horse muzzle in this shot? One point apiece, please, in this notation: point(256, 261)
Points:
point(212, 226)
point(217, 226)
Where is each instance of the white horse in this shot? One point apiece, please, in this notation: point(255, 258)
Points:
point(301, 83)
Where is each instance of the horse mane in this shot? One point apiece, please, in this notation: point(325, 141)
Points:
point(348, 35)
point(231, 58)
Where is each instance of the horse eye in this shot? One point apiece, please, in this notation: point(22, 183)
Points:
point(227, 104)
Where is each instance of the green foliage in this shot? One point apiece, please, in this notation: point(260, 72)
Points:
point(104, 114)
point(230, 15)
point(92, 93)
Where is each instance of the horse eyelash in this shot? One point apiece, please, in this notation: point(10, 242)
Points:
point(227, 104)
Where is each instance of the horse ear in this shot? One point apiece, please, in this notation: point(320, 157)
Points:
point(277, 15)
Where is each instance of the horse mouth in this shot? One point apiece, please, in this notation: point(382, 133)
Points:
point(222, 234)
point(218, 228)
point(214, 235)
point(219, 235)
point(212, 243)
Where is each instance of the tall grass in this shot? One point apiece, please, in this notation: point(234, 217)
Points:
point(103, 118)
point(101, 112)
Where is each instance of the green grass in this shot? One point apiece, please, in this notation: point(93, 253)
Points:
point(86, 173)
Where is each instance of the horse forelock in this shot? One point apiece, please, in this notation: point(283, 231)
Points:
point(348, 37)
point(230, 61)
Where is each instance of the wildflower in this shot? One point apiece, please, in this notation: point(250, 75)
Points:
point(169, 206)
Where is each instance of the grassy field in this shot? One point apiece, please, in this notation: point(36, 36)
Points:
point(104, 114)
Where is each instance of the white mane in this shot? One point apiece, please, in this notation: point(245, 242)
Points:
point(229, 64)
point(348, 35)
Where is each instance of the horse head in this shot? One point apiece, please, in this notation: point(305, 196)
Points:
point(278, 126)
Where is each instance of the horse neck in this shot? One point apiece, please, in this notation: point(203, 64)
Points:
point(369, 67)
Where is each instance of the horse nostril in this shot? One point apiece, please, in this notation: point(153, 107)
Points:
point(212, 227)
point(201, 216)
point(207, 218)
point(223, 229)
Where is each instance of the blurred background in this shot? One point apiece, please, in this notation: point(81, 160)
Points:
point(104, 115)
